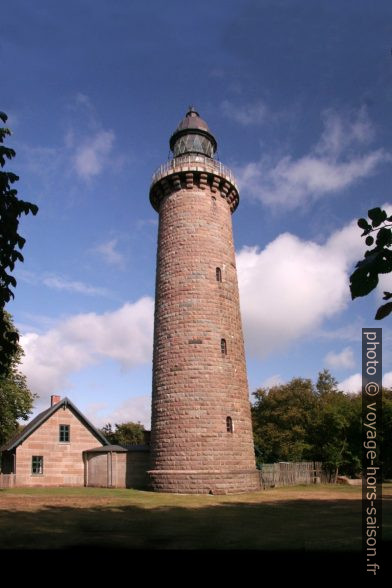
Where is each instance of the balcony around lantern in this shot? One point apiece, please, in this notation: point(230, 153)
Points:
point(193, 162)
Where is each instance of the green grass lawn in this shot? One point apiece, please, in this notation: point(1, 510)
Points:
point(310, 518)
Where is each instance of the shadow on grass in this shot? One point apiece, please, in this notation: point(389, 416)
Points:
point(305, 525)
point(285, 534)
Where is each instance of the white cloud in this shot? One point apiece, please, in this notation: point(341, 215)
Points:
point(135, 409)
point(34, 322)
point(290, 287)
point(57, 282)
point(344, 359)
point(60, 283)
point(387, 380)
point(353, 384)
point(333, 164)
point(89, 145)
point(349, 332)
point(83, 100)
point(109, 254)
point(92, 156)
point(339, 135)
point(246, 114)
point(124, 335)
point(274, 380)
point(86, 149)
point(148, 222)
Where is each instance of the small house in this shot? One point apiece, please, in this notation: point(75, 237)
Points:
point(49, 450)
point(60, 447)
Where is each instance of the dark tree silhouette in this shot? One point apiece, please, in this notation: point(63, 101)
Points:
point(377, 260)
point(11, 242)
point(124, 434)
point(16, 400)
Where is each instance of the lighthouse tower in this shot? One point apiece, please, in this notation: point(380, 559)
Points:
point(201, 437)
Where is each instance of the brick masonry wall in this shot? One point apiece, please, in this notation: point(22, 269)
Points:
point(195, 386)
point(207, 482)
point(63, 462)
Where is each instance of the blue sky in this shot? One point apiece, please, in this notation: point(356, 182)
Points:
point(298, 95)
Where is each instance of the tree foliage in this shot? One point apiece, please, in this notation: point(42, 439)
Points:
point(124, 434)
point(377, 260)
point(16, 400)
point(11, 243)
point(336, 428)
point(300, 421)
point(281, 419)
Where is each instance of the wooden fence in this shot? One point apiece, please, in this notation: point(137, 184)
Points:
point(291, 473)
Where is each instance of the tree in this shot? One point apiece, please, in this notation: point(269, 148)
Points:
point(16, 400)
point(334, 433)
point(281, 420)
point(377, 260)
point(124, 434)
point(299, 421)
point(326, 383)
point(11, 209)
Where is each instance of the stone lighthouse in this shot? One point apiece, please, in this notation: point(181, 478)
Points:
point(201, 433)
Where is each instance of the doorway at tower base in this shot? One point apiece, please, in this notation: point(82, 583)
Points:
point(204, 481)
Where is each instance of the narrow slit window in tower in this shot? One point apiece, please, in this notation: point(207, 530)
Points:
point(223, 347)
point(229, 424)
point(218, 273)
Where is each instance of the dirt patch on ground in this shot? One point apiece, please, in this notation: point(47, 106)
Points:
point(33, 503)
point(316, 495)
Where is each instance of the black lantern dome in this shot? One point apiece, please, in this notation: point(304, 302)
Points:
point(192, 136)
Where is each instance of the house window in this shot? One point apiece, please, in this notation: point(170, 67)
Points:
point(64, 434)
point(37, 464)
point(218, 273)
point(229, 424)
point(223, 347)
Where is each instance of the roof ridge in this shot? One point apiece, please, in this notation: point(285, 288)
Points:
point(42, 417)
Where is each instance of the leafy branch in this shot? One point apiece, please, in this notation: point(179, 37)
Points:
point(376, 261)
point(11, 242)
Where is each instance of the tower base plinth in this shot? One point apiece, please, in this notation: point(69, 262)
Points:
point(204, 481)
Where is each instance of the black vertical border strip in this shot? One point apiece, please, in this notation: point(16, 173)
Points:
point(372, 451)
